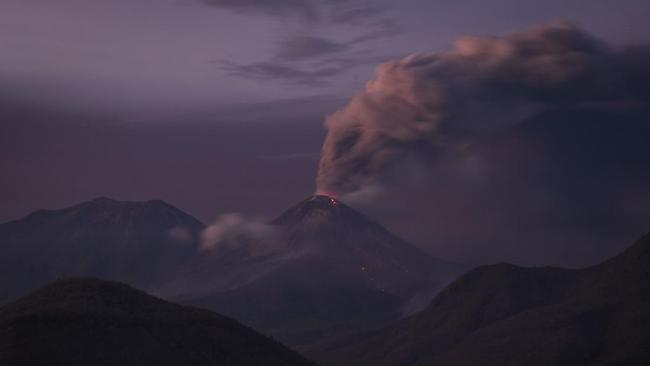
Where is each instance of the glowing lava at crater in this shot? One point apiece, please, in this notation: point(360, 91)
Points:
point(330, 200)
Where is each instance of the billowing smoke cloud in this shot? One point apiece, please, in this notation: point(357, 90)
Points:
point(232, 232)
point(424, 105)
point(550, 113)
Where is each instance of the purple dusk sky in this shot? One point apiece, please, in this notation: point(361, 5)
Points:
point(152, 55)
point(218, 106)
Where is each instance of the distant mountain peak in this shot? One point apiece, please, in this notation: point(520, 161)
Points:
point(106, 207)
point(102, 199)
point(138, 243)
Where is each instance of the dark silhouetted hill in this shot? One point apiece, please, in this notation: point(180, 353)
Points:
point(92, 322)
point(508, 315)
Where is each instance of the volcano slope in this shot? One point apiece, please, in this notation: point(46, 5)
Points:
point(508, 315)
point(332, 272)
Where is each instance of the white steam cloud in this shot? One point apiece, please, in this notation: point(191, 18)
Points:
point(233, 232)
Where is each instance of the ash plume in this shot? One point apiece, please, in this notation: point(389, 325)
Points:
point(425, 105)
point(474, 133)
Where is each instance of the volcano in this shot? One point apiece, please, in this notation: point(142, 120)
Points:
point(325, 229)
point(139, 243)
point(325, 272)
point(334, 272)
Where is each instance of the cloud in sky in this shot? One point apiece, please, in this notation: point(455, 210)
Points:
point(282, 71)
point(353, 12)
point(302, 8)
point(355, 15)
point(298, 47)
point(313, 72)
point(305, 57)
point(497, 134)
